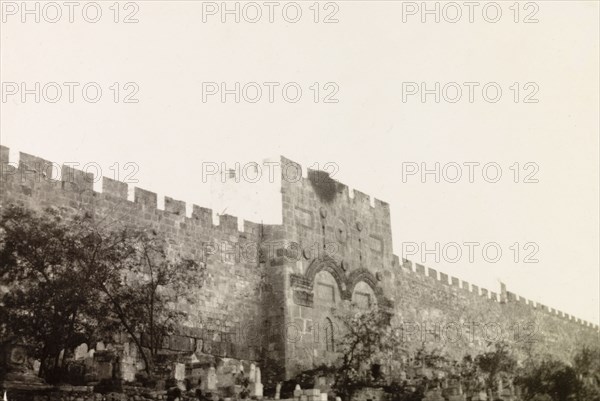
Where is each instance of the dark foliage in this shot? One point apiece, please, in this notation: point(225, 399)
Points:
point(73, 278)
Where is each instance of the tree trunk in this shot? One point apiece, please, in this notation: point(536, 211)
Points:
point(129, 330)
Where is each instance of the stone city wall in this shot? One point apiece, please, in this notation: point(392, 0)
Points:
point(334, 247)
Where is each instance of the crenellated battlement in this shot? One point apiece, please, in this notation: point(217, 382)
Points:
point(314, 209)
point(231, 249)
point(345, 194)
point(32, 171)
point(506, 297)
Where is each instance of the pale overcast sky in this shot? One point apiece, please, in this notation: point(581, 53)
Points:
point(369, 133)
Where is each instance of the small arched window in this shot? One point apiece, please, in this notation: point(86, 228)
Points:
point(363, 295)
point(329, 338)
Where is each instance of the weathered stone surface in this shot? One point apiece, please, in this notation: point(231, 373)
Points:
point(248, 306)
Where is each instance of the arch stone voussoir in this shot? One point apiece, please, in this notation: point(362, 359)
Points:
point(356, 276)
point(331, 266)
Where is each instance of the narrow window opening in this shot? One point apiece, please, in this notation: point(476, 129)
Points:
point(329, 336)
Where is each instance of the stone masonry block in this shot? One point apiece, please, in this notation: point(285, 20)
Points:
point(76, 179)
point(115, 188)
point(4, 152)
point(174, 206)
point(145, 198)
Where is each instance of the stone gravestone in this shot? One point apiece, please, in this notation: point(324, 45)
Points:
point(17, 366)
point(36, 366)
point(100, 346)
point(90, 367)
point(252, 373)
point(179, 372)
point(210, 383)
point(312, 394)
point(226, 375)
point(257, 376)
point(256, 387)
point(298, 392)
point(104, 365)
point(277, 391)
point(81, 351)
point(128, 369)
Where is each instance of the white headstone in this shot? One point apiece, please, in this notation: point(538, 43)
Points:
point(297, 391)
point(252, 373)
point(100, 346)
point(81, 351)
point(211, 379)
point(277, 391)
point(257, 375)
point(256, 390)
point(128, 371)
point(179, 372)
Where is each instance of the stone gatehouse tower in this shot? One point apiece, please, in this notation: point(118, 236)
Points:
point(272, 289)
